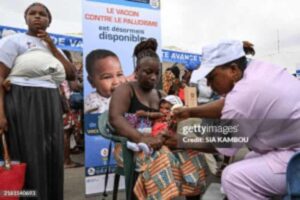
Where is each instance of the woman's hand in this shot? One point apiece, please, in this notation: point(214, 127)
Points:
point(45, 37)
point(170, 141)
point(6, 85)
point(153, 142)
point(180, 113)
point(70, 68)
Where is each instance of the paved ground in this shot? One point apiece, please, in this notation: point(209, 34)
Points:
point(74, 188)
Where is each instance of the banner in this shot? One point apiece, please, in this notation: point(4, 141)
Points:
point(298, 74)
point(96, 159)
point(118, 26)
point(61, 41)
point(191, 61)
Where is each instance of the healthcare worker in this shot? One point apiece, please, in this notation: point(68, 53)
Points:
point(264, 99)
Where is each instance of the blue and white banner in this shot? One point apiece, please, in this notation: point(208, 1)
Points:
point(96, 158)
point(298, 73)
point(115, 25)
point(191, 61)
point(148, 4)
point(118, 26)
point(61, 41)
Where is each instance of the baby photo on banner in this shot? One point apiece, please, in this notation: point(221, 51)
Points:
point(111, 30)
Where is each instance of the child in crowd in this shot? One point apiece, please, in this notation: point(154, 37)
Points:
point(161, 121)
point(105, 74)
point(171, 80)
point(72, 118)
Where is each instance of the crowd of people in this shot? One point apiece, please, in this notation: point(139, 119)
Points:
point(41, 111)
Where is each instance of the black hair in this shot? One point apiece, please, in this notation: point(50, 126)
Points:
point(173, 90)
point(144, 49)
point(95, 55)
point(248, 48)
point(163, 101)
point(240, 62)
point(38, 4)
point(68, 55)
point(175, 70)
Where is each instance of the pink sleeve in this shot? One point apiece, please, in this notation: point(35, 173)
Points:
point(230, 112)
point(228, 151)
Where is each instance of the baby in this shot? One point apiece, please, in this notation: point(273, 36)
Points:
point(161, 121)
point(105, 74)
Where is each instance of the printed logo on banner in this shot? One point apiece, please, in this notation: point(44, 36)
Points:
point(104, 152)
point(104, 155)
point(91, 126)
point(154, 3)
point(148, 4)
point(99, 170)
point(91, 171)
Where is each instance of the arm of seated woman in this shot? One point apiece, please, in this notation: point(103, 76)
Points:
point(150, 115)
point(118, 121)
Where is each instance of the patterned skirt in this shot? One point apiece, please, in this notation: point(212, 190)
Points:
point(167, 174)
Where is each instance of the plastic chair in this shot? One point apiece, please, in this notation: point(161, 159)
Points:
point(293, 178)
point(128, 170)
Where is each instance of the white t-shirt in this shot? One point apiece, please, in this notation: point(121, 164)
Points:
point(30, 48)
point(95, 103)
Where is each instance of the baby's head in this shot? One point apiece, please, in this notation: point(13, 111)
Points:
point(104, 71)
point(167, 103)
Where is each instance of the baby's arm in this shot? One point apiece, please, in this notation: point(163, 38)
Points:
point(150, 115)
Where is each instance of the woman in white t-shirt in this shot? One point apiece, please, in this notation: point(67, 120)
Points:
point(30, 111)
